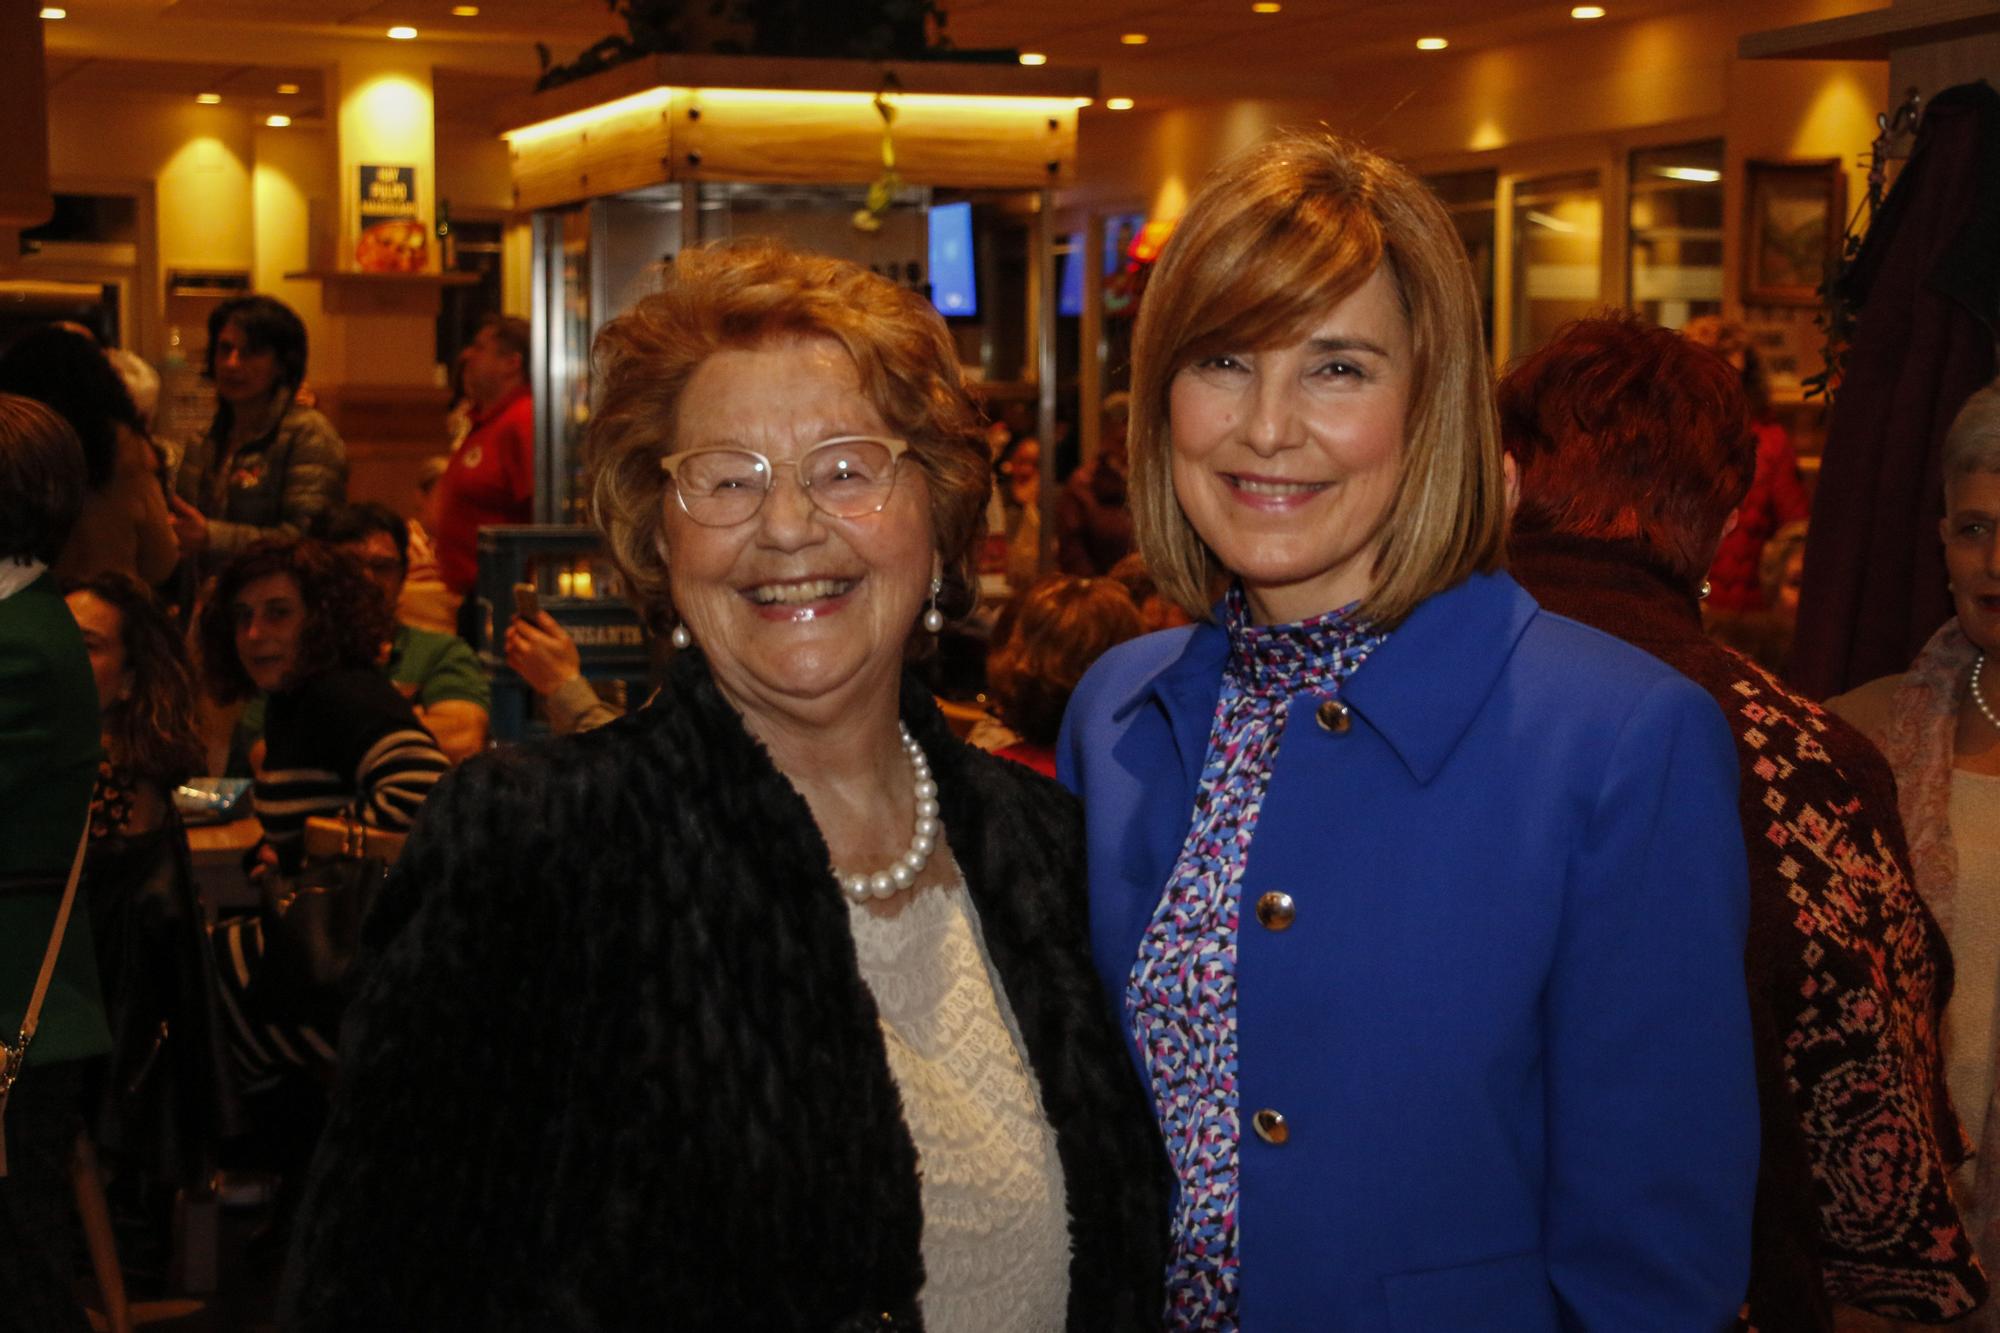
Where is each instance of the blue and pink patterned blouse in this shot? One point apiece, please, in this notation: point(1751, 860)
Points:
point(1181, 997)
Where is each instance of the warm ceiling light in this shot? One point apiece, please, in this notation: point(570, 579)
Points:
point(403, 34)
point(288, 90)
point(1033, 58)
point(1118, 104)
point(51, 12)
point(208, 99)
point(465, 11)
point(1266, 7)
point(1134, 39)
point(1702, 175)
point(1432, 43)
point(1587, 12)
point(277, 122)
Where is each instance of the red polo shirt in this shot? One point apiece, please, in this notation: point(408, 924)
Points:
point(491, 479)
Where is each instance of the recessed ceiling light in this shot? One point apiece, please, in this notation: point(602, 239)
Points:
point(1432, 43)
point(1134, 39)
point(51, 12)
point(1118, 104)
point(208, 99)
point(403, 34)
point(288, 90)
point(1703, 175)
point(277, 122)
point(1033, 58)
point(1266, 7)
point(465, 11)
point(1587, 12)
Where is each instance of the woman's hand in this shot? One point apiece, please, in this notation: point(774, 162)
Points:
point(190, 525)
point(542, 653)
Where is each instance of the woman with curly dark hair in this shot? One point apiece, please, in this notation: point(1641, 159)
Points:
point(307, 627)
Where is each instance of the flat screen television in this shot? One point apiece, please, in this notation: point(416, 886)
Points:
point(954, 277)
point(1120, 230)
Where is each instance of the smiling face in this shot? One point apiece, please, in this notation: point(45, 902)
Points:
point(103, 627)
point(242, 375)
point(1285, 460)
point(800, 614)
point(270, 618)
point(1971, 531)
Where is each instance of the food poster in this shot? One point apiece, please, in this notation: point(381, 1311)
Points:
point(393, 238)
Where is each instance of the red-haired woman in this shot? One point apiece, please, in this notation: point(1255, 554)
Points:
point(1633, 450)
point(1062, 625)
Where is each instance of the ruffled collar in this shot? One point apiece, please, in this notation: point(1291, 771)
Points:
point(1305, 655)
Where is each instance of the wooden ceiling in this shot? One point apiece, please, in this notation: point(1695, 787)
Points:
point(1196, 50)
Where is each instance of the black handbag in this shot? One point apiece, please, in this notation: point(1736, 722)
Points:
point(312, 922)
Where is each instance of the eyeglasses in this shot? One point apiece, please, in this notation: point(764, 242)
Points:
point(848, 476)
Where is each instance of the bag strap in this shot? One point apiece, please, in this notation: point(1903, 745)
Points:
point(15, 1053)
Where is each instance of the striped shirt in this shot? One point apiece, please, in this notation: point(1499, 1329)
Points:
point(343, 741)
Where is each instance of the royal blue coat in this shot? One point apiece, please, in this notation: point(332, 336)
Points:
point(1506, 1026)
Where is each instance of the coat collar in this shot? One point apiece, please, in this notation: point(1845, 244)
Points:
point(1419, 691)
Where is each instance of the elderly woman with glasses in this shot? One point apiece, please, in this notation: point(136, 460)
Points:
point(768, 1006)
point(1424, 908)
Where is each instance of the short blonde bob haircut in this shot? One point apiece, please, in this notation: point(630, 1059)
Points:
point(1275, 239)
point(744, 294)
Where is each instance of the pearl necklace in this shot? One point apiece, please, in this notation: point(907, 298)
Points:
point(888, 883)
point(1979, 695)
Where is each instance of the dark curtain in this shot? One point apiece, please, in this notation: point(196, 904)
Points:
point(1927, 287)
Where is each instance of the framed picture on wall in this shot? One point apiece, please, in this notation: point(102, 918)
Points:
point(1794, 216)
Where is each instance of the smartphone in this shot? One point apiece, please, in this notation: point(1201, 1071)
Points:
point(527, 605)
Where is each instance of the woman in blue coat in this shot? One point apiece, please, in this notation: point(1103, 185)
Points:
point(1424, 908)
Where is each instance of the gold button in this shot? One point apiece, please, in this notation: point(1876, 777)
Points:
point(1334, 717)
point(1275, 911)
point(1271, 1127)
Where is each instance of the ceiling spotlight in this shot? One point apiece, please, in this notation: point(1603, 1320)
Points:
point(1134, 39)
point(1432, 43)
point(288, 90)
point(465, 11)
point(277, 122)
point(403, 34)
point(1118, 104)
point(51, 12)
point(1700, 175)
point(208, 99)
point(1266, 7)
point(1033, 58)
point(1587, 12)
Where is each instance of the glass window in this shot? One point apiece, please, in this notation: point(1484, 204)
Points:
point(1676, 231)
point(1558, 250)
point(1469, 197)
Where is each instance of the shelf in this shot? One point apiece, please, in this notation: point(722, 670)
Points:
point(382, 281)
point(1875, 34)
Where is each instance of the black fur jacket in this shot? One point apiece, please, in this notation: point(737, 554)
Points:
point(613, 1065)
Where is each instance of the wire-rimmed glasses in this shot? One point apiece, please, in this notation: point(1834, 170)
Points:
point(848, 476)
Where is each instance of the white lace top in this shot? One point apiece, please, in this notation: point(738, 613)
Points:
point(996, 1222)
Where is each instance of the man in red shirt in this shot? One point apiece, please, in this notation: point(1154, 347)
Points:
point(491, 479)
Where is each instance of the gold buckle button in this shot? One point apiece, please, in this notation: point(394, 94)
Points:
point(1271, 1127)
point(1275, 911)
point(1334, 716)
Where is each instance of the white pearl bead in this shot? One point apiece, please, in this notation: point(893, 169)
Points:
point(926, 790)
point(927, 826)
point(927, 809)
point(921, 847)
point(856, 888)
point(903, 873)
point(881, 885)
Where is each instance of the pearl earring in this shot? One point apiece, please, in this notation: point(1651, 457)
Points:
point(680, 638)
point(934, 618)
